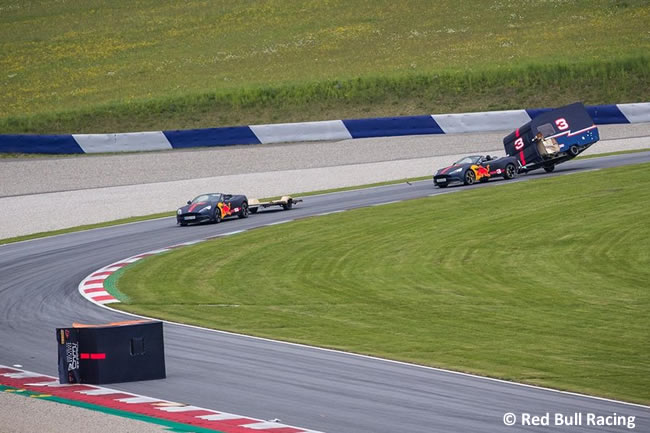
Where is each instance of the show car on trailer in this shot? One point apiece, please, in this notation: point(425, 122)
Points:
point(212, 207)
point(552, 138)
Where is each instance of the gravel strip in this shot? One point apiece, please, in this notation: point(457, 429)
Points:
point(20, 414)
point(30, 176)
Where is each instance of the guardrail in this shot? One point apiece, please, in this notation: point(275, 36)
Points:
point(307, 131)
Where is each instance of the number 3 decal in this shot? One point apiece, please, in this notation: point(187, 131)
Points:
point(562, 124)
point(519, 144)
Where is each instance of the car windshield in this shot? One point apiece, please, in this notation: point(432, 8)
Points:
point(469, 160)
point(206, 197)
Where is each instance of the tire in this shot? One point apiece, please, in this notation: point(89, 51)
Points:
point(510, 172)
point(549, 168)
point(217, 216)
point(574, 150)
point(288, 206)
point(243, 213)
point(252, 210)
point(183, 224)
point(469, 177)
point(440, 185)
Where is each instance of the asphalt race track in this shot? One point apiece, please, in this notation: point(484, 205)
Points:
point(317, 389)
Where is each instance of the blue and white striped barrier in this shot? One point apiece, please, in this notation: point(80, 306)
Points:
point(306, 131)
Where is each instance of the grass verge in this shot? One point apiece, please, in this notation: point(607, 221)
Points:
point(404, 94)
point(528, 282)
point(620, 152)
point(157, 65)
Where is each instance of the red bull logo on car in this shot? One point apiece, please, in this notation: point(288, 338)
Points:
point(480, 171)
point(227, 209)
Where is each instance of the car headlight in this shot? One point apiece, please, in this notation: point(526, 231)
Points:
point(458, 170)
point(179, 212)
point(205, 209)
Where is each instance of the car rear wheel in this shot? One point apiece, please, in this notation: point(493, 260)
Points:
point(288, 205)
point(510, 172)
point(549, 168)
point(574, 150)
point(469, 178)
point(243, 213)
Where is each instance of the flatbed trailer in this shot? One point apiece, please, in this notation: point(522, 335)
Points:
point(286, 202)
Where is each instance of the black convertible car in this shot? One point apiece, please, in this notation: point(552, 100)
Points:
point(212, 207)
point(476, 168)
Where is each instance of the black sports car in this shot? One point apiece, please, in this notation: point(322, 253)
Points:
point(212, 207)
point(476, 168)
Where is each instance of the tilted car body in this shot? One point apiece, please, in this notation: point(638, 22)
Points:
point(476, 168)
point(212, 207)
point(552, 137)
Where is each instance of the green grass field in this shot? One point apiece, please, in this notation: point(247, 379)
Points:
point(544, 282)
point(92, 66)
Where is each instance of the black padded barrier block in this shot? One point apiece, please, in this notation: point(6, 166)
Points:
point(111, 353)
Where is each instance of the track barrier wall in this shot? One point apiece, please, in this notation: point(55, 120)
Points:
point(328, 130)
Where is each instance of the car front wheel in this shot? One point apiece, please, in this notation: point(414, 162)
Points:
point(217, 216)
point(470, 177)
point(549, 168)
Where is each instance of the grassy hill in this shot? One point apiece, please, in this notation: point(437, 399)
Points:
point(93, 66)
